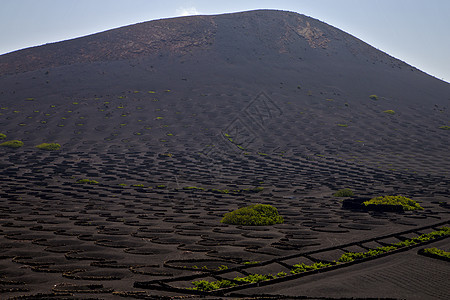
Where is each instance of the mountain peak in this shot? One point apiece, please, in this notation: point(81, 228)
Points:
point(258, 30)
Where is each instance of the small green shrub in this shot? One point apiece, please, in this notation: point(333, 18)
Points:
point(88, 181)
point(351, 256)
point(374, 97)
point(251, 278)
point(389, 111)
point(12, 144)
point(251, 262)
point(204, 285)
point(49, 146)
point(436, 252)
point(444, 127)
point(2, 136)
point(300, 268)
point(343, 193)
point(254, 215)
point(342, 125)
point(406, 203)
point(281, 274)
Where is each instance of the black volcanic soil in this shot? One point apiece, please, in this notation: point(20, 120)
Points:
point(231, 102)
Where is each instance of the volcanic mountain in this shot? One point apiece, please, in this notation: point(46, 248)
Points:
point(314, 76)
point(180, 120)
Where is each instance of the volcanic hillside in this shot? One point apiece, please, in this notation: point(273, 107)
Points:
point(203, 73)
point(181, 120)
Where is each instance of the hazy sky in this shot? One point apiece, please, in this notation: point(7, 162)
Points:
point(415, 31)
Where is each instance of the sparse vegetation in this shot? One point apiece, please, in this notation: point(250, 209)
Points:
point(251, 262)
point(389, 111)
point(49, 146)
point(230, 139)
point(254, 215)
point(374, 97)
point(437, 253)
point(227, 191)
point(406, 203)
point(351, 256)
point(300, 268)
point(251, 278)
point(222, 267)
point(255, 190)
point(12, 144)
point(87, 181)
point(444, 127)
point(204, 285)
point(2, 136)
point(344, 193)
point(342, 125)
point(219, 268)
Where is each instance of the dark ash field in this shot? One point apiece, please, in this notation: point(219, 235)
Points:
point(175, 122)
